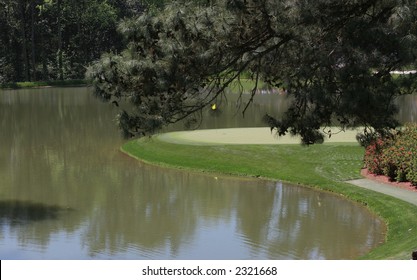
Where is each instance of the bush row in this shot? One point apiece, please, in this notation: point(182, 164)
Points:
point(394, 156)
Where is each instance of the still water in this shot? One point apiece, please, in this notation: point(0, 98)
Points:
point(67, 192)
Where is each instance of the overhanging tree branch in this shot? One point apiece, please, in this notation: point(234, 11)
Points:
point(327, 54)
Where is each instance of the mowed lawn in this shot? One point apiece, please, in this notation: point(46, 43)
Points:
point(324, 167)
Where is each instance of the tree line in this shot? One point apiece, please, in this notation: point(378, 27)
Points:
point(57, 39)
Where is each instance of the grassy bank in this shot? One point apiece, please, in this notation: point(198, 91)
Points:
point(65, 83)
point(324, 167)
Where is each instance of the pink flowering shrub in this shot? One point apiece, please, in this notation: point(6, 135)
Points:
point(395, 158)
point(412, 175)
point(373, 156)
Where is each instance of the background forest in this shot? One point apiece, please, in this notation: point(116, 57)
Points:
point(56, 39)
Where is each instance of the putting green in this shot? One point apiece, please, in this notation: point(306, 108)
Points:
point(252, 135)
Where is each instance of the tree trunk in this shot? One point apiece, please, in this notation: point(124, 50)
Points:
point(33, 43)
point(60, 66)
point(45, 74)
point(26, 65)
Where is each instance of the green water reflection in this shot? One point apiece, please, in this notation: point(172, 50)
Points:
point(68, 193)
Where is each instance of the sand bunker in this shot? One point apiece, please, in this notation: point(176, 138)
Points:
point(253, 135)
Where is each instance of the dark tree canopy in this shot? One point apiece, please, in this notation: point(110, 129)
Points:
point(56, 39)
point(334, 57)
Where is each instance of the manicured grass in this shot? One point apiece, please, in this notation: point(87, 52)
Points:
point(324, 167)
point(57, 83)
point(246, 85)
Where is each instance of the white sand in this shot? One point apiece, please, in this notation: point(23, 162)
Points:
point(253, 135)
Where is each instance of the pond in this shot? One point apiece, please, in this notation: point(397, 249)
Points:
point(67, 192)
point(229, 112)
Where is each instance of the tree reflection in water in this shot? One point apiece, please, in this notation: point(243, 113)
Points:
point(15, 212)
point(65, 184)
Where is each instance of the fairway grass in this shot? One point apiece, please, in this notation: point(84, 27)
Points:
point(41, 84)
point(324, 167)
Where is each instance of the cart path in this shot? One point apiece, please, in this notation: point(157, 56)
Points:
point(400, 193)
